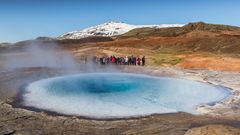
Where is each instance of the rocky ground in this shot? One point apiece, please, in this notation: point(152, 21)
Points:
point(220, 119)
point(214, 130)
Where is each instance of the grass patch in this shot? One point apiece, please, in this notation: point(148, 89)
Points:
point(170, 59)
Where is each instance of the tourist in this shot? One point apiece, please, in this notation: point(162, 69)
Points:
point(126, 60)
point(101, 60)
point(129, 60)
point(118, 60)
point(122, 60)
point(113, 59)
point(110, 59)
point(134, 61)
point(104, 60)
point(143, 60)
point(107, 60)
point(138, 61)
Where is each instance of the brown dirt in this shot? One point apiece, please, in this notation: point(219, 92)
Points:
point(222, 63)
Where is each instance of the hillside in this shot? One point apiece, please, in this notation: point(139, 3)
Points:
point(212, 29)
point(192, 37)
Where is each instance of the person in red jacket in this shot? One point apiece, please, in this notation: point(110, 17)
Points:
point(114, 59)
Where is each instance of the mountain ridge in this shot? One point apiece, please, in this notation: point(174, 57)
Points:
point(190, 29)
point(112, 28)
point(197, 36)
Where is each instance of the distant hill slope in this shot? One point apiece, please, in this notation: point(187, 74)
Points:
point(193, 37)
point(200, 28)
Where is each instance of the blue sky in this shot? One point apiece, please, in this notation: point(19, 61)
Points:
point(28, 19)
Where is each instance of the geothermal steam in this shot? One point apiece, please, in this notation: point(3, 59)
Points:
point(39, 54)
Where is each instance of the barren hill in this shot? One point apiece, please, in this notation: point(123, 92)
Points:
point(213, 29)
point(191, 37)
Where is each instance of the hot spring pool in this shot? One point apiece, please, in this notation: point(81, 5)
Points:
point(118, 95)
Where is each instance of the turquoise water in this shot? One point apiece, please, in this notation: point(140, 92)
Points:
point(95, 84)
point(117, 95)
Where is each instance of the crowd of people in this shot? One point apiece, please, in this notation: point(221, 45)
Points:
point(127, 60)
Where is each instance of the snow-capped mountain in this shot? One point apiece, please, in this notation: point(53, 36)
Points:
point(112, 28)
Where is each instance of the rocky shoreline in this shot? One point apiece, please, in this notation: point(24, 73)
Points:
point(22, 121)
